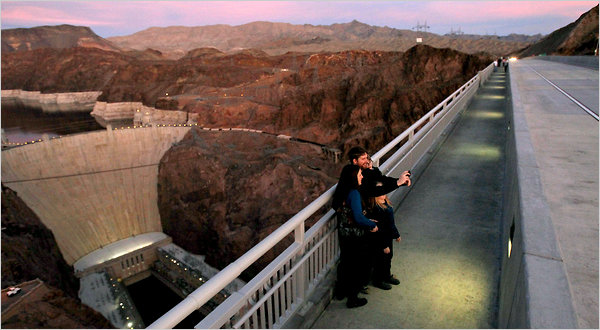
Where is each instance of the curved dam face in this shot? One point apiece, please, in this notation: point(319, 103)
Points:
point(92, 189)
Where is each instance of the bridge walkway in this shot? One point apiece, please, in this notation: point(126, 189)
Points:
point(449, 258)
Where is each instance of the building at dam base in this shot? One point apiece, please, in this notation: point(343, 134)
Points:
point(124, 258)
point(110, 270)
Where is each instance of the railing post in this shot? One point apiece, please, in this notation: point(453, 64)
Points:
point(301, 277)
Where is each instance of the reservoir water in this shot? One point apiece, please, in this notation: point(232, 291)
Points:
point(25, 125)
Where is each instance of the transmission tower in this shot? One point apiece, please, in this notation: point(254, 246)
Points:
point(421, 27)
point(456, 32)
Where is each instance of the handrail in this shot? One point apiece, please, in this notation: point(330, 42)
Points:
point(201, 295)
point(377, 156)
point(301, 264)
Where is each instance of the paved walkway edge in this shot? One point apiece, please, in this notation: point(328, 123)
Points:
point(534, 291)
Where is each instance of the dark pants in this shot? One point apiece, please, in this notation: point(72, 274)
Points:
point(382, 264)
point(353, 267)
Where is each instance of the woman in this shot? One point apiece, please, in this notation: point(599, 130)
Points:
point(354, 253)
point(380, 209)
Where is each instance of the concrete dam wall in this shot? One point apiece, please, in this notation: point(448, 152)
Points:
point(92, 189)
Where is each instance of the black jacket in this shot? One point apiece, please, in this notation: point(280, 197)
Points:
point(371, 178)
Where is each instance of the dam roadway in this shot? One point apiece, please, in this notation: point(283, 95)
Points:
point(519, 134)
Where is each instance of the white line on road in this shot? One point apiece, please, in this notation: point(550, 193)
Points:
point(586, 109)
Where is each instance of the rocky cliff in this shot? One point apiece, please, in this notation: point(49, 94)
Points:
point(577, 38)
point(50, 308)
point(50, 70)
point(29, 251)
point(367, 98)
point(59, 36)
point(220, 193)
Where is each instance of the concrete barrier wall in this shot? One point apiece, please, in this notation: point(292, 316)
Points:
point(590, 62)
point(92, 189)
point(534, 291)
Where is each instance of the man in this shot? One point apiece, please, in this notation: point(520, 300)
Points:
point(372, 175)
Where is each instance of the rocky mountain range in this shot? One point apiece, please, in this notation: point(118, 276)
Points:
point(279, 38)
point(60, 36)
point(273, 38)
point(577, 38)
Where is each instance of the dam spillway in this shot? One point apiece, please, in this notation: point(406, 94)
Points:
point(92, 189)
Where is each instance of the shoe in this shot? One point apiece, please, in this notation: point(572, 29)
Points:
point(364, 290)
point(393, 280)
point(356, 302)
point(382, 285)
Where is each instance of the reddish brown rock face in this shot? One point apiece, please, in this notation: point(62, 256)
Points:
point(50, 308)
point(577, 38)
point(29, 251)
point(220, 193)
point(59, 36)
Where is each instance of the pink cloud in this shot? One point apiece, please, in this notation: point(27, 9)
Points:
point(27, 14)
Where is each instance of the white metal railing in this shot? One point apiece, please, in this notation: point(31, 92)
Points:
point(278, 291)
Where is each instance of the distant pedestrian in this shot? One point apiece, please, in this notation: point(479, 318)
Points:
point(505, 64)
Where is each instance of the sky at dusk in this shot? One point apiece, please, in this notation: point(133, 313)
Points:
point(119, 18)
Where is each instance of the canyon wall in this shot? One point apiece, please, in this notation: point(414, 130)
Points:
point(30, 252)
